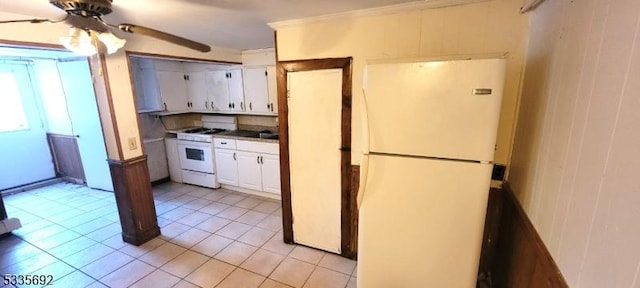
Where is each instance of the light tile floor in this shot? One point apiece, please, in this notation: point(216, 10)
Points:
point(210, 238)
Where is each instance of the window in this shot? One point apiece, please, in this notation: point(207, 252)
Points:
point(12, 115)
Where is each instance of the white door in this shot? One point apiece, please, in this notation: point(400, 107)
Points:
point(173, 89)
point(425, 211)
point(446, 109)
point(270, 173)
point(227, 166)
point(315, 105)
point(256, 93)
point(197, 91)
point(83, 111)
point(249, 174)
point(218, 90)
point(272, 84)
point(24, 152)
point(236, 90)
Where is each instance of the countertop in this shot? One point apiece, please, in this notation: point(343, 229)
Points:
point(244, 135)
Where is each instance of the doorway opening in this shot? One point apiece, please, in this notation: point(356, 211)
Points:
point(50, 128)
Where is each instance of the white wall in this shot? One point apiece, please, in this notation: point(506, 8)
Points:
point(481, 28)
point(577, 150)
point(118, 72)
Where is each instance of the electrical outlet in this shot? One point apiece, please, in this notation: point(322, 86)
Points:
point(132, 143)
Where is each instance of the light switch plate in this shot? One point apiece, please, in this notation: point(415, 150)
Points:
point(132, 143)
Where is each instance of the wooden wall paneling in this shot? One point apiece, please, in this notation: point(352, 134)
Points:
point(134, 198)
point(347, 222)
point(66, 156)
point(512, 251)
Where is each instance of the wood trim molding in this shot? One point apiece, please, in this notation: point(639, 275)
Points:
point(3, 210)
point(513, 254)
point(22, 44)
point(134, 198)
point(179, 58)
point(347, 221)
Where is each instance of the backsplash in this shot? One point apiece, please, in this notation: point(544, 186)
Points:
point(155, 127)
point(257, 123)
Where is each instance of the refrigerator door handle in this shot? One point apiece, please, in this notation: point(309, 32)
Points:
point(365, 123)
point(364, 174)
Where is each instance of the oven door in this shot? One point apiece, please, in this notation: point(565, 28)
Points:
point(196, 156)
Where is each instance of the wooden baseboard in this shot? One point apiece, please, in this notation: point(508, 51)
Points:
point(134, 198)
point(513, 254)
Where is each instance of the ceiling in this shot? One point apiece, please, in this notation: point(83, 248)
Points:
point(239, 24)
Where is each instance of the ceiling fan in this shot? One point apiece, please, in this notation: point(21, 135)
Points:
point(90, 34)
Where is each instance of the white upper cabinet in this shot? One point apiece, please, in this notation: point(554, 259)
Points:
point(256, 90)
point(260, 83)
point(173, 90)
point(179, 87)
point(145, 85)
point(272, 84)
point(197, 87)
point(217, 83)
point(236, 91)
point(197, 91)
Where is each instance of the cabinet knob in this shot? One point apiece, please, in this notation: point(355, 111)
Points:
point(212, 107)
point(258, 159)
point(165, 106)
point(229, 105)
point(206, 104)
point(234, 156)
point(250, 106)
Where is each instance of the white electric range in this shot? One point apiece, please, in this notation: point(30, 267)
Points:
point(195, 149)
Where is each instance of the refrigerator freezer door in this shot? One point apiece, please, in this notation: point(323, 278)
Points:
point(421, 222)
point(436, 109)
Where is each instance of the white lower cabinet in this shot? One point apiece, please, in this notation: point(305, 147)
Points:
point(248, 166)
point(270, 173)
point(175, 171)
point(227, 166)
point(249, 172)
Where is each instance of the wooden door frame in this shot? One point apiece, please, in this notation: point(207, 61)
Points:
point(348, 219)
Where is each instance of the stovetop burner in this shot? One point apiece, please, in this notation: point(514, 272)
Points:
point(204, 131)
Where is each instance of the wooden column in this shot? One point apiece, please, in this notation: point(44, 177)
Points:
point(3, 210)
point(134, 198)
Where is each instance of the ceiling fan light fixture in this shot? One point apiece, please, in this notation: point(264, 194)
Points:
point(79, 42)
point(112, 42)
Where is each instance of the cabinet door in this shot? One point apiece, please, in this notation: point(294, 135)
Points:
point(175, 171)
point(249, 174)
point(272, 84)
point(270, 173)
point(173, 90)
point(197, 91)
point(236, 93)
point(218, 90)
point(150, 91)
point(227, 166)
point(256, 94)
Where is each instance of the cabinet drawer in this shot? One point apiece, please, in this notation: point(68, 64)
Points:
point(258, 147)
point(224, 143)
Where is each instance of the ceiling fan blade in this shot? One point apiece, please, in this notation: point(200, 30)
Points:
point(26, 21)
point(164, 36)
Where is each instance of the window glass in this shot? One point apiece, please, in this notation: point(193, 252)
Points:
point(12, 115)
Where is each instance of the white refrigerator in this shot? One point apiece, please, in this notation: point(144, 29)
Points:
point(428, 145)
